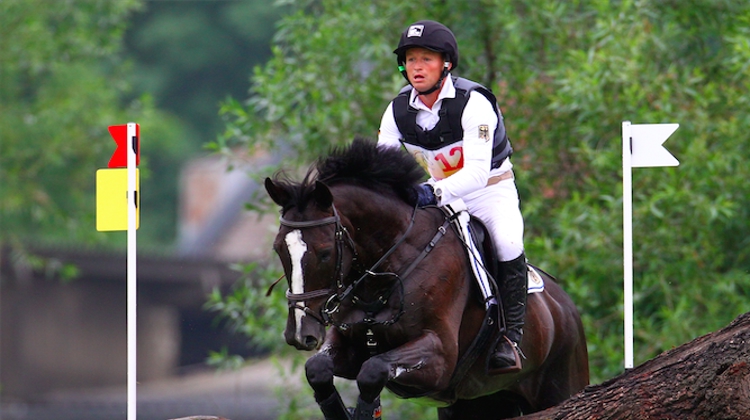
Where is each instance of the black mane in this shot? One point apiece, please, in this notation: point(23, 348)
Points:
point(385, 170)
point(381, 169)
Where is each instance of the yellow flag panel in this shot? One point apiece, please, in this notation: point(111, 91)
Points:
point(112, 199)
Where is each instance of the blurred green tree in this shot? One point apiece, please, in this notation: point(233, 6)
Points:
point(191, 55)
point(62, 83)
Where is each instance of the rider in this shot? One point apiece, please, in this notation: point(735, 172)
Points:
point(455, 130)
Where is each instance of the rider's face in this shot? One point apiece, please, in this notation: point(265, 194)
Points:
point(423, 67)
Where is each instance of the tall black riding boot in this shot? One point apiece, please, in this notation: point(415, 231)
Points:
point(513, 289)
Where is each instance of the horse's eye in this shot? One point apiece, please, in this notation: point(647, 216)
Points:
point(325, 255)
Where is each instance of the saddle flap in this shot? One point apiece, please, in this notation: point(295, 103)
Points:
point(483, 241)
point(481, 251)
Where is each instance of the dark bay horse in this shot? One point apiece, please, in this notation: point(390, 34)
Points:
point(397, 290)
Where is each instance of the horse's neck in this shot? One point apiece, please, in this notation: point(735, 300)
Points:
point(377, 221)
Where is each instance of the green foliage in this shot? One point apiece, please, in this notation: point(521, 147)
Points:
point(649, 65)
point(193, 54)
point(567, 73)
point(189, 55)
point(62, 85)
point(329, 79)
point(248, 311)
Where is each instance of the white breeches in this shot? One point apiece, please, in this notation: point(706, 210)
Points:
point(498, 207)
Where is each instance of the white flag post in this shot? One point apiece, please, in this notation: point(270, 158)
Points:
point(132, 145)
point(642, 146)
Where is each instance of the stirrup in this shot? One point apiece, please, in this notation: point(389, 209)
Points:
point(517, 353)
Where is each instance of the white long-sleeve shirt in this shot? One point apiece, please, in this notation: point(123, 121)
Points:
point(461, 168)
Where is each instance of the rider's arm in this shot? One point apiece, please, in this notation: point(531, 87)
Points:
point(477, 150)
point(388, 134)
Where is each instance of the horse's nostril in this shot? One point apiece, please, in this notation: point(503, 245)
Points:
point(311, 342)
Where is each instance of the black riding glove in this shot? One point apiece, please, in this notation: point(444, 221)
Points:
point(425, 195)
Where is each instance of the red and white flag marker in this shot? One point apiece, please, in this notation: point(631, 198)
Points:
point(117, 208)
point(642, 146)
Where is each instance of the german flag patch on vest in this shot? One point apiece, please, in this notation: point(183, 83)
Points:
point(484, 132)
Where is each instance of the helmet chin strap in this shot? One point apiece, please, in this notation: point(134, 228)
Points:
point(439, 83)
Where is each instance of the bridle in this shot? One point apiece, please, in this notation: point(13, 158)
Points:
point(338, 293)
point(342, 237)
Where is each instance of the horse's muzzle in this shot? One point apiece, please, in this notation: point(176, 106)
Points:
point(307, 342)
point(307, 336)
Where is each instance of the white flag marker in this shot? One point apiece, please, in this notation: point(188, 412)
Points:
point(647, 145)
point(641, 147)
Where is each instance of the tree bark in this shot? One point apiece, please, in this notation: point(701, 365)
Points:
point(707, 378)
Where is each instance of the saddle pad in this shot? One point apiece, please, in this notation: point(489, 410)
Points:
point(534, 279)
point(536, 283)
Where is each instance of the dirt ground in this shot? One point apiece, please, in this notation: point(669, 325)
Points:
point(245, 394)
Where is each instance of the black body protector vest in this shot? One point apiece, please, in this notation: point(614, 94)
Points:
point(448, 129)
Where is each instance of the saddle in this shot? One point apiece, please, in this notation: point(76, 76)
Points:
point(480, 249)
point(483, 242)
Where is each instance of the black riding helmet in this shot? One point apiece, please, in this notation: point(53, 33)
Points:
point(430, 35)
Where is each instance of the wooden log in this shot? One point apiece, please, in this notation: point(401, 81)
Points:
point(707, 378)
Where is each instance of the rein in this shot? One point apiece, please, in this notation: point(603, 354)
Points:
point(370, 308)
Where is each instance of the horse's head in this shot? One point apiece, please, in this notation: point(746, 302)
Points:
point(311, 246)
point(315, 247)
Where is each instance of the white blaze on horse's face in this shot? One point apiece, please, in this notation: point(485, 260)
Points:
point(297, 248)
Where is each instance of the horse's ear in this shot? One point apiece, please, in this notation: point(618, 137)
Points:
point(278, 195)
point(323, 196)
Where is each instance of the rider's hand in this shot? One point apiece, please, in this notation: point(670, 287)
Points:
point(425, 195)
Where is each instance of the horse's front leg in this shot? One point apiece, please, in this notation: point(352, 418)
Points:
point(319, 370)
point(421, 363)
